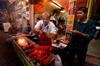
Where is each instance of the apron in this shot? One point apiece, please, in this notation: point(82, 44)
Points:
point(44, 40)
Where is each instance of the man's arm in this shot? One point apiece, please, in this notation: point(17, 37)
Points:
point(26, 32)
point(37, 31)
point(10, 31)
point(37, 27)
point(89, 35)
point(30, 30)
point(51, 35)
point(77, 32)
point(17, 28)
point(21, 22)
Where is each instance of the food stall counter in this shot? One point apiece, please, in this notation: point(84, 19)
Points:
point(26, 60)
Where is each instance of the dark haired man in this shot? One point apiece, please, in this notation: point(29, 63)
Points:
point(27, 29)
point(13, 30)
point(81, 36)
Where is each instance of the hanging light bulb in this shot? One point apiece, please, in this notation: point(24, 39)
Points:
point(62, 11)
point(22, 3)
point(27, 0)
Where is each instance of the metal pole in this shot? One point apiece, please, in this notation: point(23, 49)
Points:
point(32, 9)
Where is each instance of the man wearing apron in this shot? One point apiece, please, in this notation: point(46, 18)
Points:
point(45, 29)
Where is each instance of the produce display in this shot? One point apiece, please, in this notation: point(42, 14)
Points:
point(40, 55)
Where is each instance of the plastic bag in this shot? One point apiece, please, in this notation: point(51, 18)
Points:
point(58, 60)
point(44, 40)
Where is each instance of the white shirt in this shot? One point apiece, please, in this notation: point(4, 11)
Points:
point(50, 27)
point(19, 22)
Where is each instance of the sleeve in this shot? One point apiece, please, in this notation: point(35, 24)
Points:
point(53, 30)
point(9, 30)
point(30, 29)
point(38, 25)
point(91, 32)
point(21, 22)
point(24, 29)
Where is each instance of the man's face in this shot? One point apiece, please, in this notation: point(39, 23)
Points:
point(80, 14)
point(45, 20)
point(13, 25)
point(28, 26)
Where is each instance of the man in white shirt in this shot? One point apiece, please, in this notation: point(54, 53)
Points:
point(45, 26)
point(20, 23)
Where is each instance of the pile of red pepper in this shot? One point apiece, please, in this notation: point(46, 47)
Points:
point(40, 55)
point(27, 48)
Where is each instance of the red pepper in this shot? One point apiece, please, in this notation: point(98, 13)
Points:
point(41, 52)
point(40, 63)
point(46, 48)
point(45, 62)
point(32, 49)
point(31, 45)
point(33, 53)
point(32, 58)
point(24, 47)
point(37, 58)
point(41, 59)
point(30, 55)
point(28, 46)
point(49, 49)
point(36, 50)
point(27, 51)
point(42, 48)
point(49, 57)
point(36, 47)
point(39, 55)
point(45, 56)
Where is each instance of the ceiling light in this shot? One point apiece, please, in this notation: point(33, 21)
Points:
point(55, 5)
point(27, 0)
point(22, 3)
point(62, 11)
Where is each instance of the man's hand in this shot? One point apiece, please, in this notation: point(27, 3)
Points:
point(79, 33)
point(37, 31)
point(26, 32)
point(51, 35)
point(47, 33)
point(75, 32)
point(40, 32)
